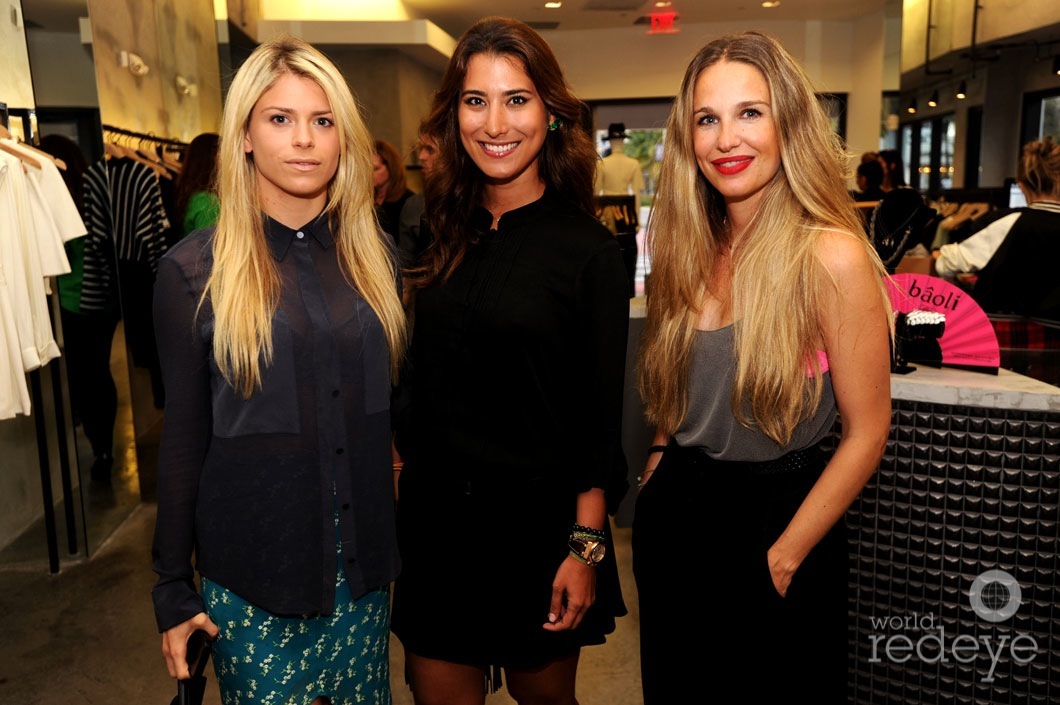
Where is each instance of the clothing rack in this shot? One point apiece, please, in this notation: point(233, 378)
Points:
point(146, 137)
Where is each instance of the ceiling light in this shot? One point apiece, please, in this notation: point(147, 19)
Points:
point(962, 91)
point(771, 3)
point(556, 4)
point(912, 107)
point(663, 3)
point(1056, 65)
point(933, 101)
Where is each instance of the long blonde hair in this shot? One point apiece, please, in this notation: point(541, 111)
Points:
point(776, 302)
point(244, 284)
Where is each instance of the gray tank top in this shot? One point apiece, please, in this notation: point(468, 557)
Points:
point(709, 422)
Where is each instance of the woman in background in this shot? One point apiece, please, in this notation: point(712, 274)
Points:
point(278, 332)
point(196, 199)
point(511, 444)
point(893, 171)
point(767, 317)
point(391, 191)
point(1014, 258)
point(88, 335)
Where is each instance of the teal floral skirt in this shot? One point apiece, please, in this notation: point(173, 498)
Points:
point(262, 658)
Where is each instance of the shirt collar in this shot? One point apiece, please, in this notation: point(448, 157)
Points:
point(1051, 206)
point(279, 236)
point(482, 219)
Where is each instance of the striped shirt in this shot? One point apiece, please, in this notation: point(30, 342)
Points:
point(126, 219)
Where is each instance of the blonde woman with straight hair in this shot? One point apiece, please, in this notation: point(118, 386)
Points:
point(767, 316)
point(279, 333)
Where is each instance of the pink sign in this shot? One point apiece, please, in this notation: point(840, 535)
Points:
point(968, 339)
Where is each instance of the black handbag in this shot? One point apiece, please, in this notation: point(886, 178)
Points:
point(192, 690)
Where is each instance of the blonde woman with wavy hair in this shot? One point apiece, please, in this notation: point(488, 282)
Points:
point(767, 317)
point(279, 333)
point(1014, 257)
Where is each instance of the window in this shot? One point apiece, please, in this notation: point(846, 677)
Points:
point(1041, 116)
point(927, 147)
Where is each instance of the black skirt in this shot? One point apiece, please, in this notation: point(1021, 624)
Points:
point(478, 562)
point(698, 516)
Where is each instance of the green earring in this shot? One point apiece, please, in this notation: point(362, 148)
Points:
point(554, 125)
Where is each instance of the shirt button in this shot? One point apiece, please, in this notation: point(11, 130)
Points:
point(299, 235)
point(339, 451)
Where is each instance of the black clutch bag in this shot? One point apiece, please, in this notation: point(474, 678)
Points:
point(191, 691)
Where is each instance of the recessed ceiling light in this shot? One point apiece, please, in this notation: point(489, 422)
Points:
point(663, 3)
point(771, 3)
point(554, 5)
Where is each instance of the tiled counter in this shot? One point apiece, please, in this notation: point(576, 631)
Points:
point(970, 483)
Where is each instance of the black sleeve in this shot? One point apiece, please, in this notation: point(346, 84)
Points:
point(408, 233)
point(186, 434)
point(603, 314)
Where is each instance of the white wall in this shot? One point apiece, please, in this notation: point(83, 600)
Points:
point(16, 89)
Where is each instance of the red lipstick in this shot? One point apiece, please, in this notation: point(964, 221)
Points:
point(729, 166)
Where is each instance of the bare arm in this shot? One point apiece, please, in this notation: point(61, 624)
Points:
point(654, 458)
point(855, 327)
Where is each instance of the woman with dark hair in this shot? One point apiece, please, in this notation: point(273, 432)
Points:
point(196, 198)
point(390, 188)
point(511, 438)
point(893, 171)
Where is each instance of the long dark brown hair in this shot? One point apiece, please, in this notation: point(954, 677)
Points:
point(395, 183)
point(567, 160)
point(198, 173)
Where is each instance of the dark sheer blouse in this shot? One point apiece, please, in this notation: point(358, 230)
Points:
point(262, 489)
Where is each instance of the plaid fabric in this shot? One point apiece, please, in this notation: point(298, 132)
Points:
point(1026, 334)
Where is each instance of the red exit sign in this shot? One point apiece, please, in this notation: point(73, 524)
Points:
point(662, 23)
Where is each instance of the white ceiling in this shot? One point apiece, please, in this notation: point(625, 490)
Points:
point(455, 16)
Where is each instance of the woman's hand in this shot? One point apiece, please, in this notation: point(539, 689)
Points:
point(780, 570)
point(175, 643)
point(573, 592)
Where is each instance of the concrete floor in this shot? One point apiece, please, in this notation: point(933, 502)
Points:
point(86, 635)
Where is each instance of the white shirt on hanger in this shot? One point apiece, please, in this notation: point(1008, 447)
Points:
point(14, 393)
point(30, 298)
point(54, 212)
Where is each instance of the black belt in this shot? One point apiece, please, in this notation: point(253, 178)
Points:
point(794, 462)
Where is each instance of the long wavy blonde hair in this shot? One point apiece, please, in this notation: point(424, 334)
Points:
point(776, 302)
point(244, 285)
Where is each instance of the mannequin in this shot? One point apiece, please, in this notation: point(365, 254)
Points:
point(618, 174)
